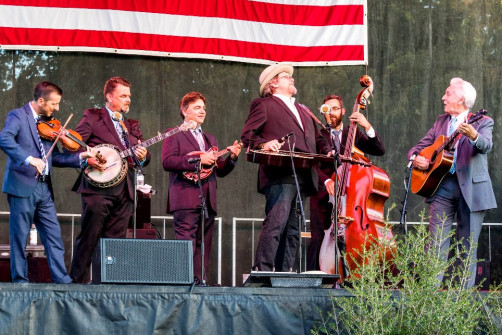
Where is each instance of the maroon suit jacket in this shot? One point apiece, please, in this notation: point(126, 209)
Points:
point(96, 127)
point(184, 193)
point(269, 118)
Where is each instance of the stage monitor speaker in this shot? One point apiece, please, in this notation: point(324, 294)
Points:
point(290, 279)
point(144, 261)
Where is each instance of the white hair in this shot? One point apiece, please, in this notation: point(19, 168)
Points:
point(466, 89)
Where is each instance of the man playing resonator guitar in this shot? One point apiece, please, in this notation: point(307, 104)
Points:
point(272, 116)
point(106, 211)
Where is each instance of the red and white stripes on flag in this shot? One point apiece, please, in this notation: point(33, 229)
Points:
point(301, 32)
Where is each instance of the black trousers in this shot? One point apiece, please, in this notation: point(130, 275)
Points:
point(102, 216)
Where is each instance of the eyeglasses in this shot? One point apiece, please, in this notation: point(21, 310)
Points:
point(335, 109)
point(286, 76)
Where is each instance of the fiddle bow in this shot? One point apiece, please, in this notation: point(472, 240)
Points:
point(60, 133)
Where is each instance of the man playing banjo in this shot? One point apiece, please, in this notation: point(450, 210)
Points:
point(107, 208)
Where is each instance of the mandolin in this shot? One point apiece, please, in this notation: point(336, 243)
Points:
point(206, 170)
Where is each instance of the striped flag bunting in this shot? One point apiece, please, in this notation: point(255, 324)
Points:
point(301, 32)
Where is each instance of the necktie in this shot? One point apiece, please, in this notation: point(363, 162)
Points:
point(118, 128)
point(42, 151)
point(451, 129)
point(335, 137)
point(200, 139)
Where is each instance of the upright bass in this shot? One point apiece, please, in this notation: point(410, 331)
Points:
point(361, 193)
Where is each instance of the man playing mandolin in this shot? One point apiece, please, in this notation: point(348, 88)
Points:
point(106, 211)
point(466, 189)
point(181, 154)
point(335, 132)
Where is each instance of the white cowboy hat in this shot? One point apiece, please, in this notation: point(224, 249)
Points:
point(272, 71)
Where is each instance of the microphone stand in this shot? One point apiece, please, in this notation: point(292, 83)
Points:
point(137, 169)
point(203, 216)
point(334, 210)
point(407, 182)
point(302, 224)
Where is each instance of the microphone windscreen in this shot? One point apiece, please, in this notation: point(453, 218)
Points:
point(324, 109)
point(117, 116)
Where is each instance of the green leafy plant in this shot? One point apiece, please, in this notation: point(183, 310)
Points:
point(405, 294)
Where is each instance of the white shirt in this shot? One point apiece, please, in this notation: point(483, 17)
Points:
point(290, 102)
point(462, 118)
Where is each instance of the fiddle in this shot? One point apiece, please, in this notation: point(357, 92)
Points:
point(50, 129)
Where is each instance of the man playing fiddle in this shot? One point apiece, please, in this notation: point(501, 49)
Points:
point(367, 140)
point(184, 200)
point(27, 182)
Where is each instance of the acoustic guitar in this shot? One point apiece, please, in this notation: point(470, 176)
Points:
point(440, 155)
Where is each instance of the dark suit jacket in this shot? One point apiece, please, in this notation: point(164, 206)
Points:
point(371, 146)
point(96, 127)
point(269, 118)
point(183, 193)
point(19, 139)
point(472, 163)
point(319, 202)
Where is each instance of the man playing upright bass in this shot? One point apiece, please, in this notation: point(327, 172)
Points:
point(335, 133)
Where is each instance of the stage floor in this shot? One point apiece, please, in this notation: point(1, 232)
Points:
point(160, 309)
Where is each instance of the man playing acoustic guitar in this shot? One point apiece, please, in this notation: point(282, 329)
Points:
point(180, 155)
point(466, 189)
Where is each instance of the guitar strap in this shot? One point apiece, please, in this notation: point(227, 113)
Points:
point(307, 110)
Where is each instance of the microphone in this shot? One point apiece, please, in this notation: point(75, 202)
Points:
point(285, 137)
point(412, 158)
point(324, 109)
point(118, 117)
point(194, 160)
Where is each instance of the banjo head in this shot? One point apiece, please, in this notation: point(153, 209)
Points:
point(116, 168)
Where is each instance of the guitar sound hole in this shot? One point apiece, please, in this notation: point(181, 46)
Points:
point(433, 157)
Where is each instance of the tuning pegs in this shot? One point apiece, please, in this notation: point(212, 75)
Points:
point(366, 81)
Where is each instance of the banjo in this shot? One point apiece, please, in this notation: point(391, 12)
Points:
point(116, 163)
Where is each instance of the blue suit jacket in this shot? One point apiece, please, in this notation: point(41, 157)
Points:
point(19, 139)
point(472, 163)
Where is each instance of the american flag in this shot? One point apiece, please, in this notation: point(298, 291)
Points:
point(301, 32)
